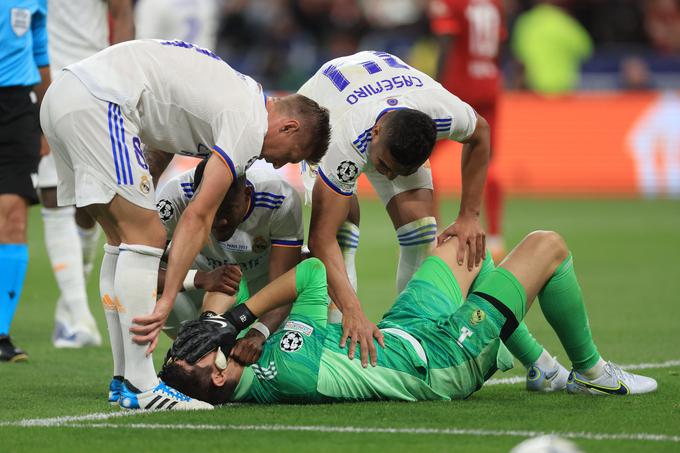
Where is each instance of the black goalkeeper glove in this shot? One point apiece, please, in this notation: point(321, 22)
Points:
point(209, 332)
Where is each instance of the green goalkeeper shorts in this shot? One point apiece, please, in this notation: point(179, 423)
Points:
point(462, 342)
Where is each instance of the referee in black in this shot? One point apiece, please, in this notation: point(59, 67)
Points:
point(24, 77)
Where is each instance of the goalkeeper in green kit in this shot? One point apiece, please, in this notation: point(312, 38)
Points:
point(443, 335)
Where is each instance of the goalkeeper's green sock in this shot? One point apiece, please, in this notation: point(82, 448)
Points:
point(562, 305)
point(524, 346)
point(521, 343)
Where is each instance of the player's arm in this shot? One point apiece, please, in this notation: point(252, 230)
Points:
point(329, 211)
point(474, 163)
point(123, 25)
point(249, 348)
point(281, 260)
point(302, 283)
point(189, 237)
point(286, 232)
point(225, 279)
point(41, 58)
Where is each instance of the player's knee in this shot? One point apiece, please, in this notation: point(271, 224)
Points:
point(13, 227)
point(550, 244)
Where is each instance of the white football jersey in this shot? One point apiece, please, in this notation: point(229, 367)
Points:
point(184, 99)
point(194, 21)
point(76, 30)
point(357, 90)
point(274, 218)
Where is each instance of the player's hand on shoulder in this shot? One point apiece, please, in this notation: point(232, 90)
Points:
point(249, 348)
point(471, 238)
point(225, 279)
point(357, 329)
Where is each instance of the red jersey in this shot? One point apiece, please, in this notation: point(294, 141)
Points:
point(471, 69)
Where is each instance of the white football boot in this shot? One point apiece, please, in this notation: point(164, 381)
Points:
point(76, 338)
point(161, 397)
point(614, 381)
point(540, 380)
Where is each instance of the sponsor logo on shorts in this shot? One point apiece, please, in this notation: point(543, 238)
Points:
point(347, 171)
point(292, 341)
point(145, 185)
point(477, 317)
point(165, 209)
point(298, 326)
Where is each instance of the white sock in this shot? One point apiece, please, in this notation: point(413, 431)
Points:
point(595, 371)
point(89, 239)
point(110, 303)
point(416, 240)
point(545, 361)
point(62, 318)
point(135, 287)
point(63, 248)
point(348, 240)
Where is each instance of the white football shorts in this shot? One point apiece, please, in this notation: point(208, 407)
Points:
point(386, 189)
point(96, 148)
point(47, 172)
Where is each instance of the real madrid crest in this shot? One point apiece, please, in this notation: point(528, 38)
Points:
point(260, 244)
point(477, 317)
point(145, 185)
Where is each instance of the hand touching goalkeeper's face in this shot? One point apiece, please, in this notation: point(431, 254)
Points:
point(197, 360)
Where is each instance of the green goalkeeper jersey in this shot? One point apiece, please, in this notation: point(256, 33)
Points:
point(423, 358)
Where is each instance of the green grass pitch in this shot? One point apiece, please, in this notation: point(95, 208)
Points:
point(626, 255)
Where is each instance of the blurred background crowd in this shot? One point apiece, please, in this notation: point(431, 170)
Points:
point(618, 44)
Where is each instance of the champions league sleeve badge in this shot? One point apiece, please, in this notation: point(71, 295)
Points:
point(165, 210)
point(347, 171)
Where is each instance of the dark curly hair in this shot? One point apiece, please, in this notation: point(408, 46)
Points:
point(410, 136)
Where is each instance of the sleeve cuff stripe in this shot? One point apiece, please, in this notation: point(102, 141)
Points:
point(287, 243)
point(227, 161)
point(333, 186)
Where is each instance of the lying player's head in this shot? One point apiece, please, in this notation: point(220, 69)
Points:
point(203, 380)
point(197, 366)
point(402, 140)
point(234, 206)
point(299, 129)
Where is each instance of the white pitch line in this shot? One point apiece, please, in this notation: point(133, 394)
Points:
point(59, 421)
point(633, 366)
point(363, 430)
point(72, 420)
